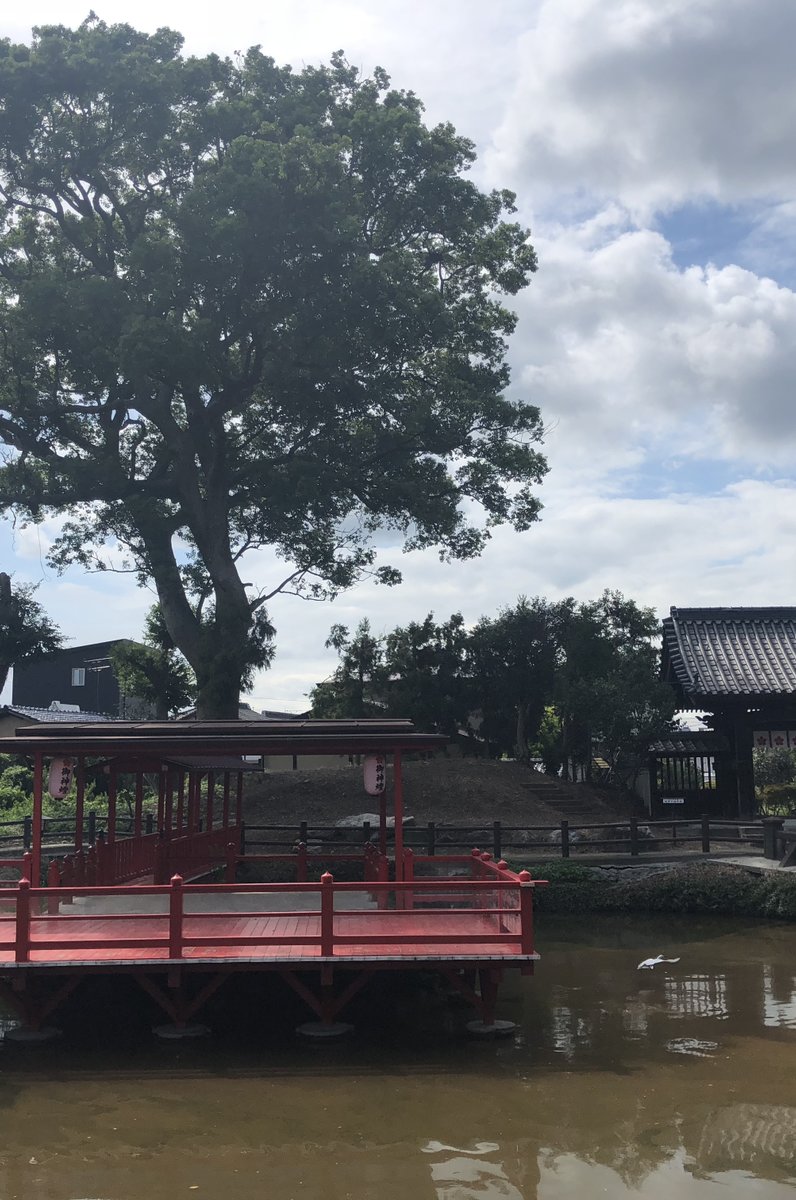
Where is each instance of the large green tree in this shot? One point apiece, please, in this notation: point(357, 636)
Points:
point(26, 631)
point(246, 307)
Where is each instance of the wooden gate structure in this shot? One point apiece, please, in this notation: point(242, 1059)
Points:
point(127, 905)
point(738, 667)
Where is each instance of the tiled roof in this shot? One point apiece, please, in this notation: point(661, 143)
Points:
point(725, 652)
point(53, 715)
point(690, 743)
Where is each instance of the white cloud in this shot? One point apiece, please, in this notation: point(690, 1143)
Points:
point(653, 102)
point(628, 355)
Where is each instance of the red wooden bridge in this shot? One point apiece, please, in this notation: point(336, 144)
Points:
point(465, 916)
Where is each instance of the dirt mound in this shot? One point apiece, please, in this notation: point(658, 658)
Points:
point(454, 791)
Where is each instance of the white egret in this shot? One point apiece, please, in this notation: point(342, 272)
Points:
point(649, 963)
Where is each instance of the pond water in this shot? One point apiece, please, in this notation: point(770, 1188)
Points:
point(618, 1083)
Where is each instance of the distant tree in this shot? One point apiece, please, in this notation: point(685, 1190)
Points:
point(243, 307)
point(512, 662)
point(356, 687)
point(425, 665)
point(26, 632)
point(608, 687)
point(154, 671)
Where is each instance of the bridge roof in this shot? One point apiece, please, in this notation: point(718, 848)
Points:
point(219, 739)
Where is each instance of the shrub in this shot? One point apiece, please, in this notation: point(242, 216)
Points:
point(777, 799)
point(695, 888)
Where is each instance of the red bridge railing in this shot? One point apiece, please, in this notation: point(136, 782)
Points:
point(496, 913)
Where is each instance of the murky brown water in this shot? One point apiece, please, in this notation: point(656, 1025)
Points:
point(619, 1083)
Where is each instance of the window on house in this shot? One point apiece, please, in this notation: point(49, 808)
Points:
point(78, 676)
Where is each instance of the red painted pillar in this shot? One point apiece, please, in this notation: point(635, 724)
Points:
point(398, 809)
point(526, 912)
point(327, 915)
point(80, 802)
point(38, 794)
point(175, 917)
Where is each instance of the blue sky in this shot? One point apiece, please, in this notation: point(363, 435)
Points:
point(651, 147)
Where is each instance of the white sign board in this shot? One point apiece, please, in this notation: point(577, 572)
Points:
point(60, 777)
point(672, 799)
point(375, 774)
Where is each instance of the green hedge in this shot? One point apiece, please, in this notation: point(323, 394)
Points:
point(696, 888)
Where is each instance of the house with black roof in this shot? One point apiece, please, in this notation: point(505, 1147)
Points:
point(80, 676)
point(738, 667)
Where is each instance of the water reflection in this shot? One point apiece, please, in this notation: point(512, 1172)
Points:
point(477, 1173)
point(617, 1083)
point(779, 997)
point(696, 996)
point(760, 1138)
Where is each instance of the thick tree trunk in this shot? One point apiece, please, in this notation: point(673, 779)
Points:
point(215, 648)
point(217, 696)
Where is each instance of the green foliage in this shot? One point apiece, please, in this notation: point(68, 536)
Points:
point(608, 690)
point(698, 888)
point(776, 800)
point(154, 672)
point(247, 307)
point(774, 766)
point(26, 632)
point(542, 677)
point(356, 688)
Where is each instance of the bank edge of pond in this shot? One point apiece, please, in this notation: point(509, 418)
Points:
point(704, 887)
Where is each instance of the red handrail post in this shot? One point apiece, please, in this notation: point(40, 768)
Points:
point(175, 917)
point(232, 862)
point(22, 937)
point(327, 915)
point(526, 912)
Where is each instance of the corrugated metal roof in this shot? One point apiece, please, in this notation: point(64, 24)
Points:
point(743, 652)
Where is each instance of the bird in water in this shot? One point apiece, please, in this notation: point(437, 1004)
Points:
point(649, 963)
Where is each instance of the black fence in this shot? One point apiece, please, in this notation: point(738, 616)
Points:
point(62, 830)
point(566, 839)
point(633, 837)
